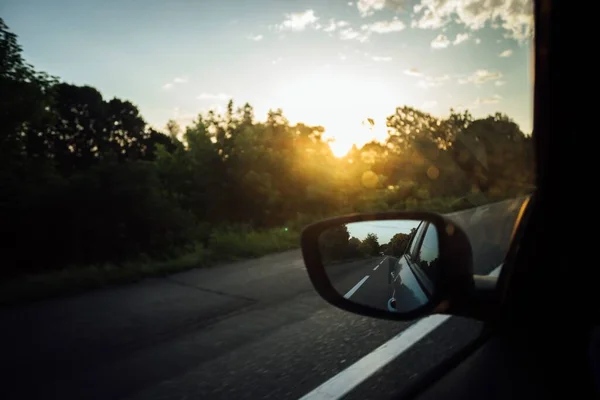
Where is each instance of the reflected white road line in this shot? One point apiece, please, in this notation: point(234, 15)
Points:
point(355, 288)
point(344, 382)
point(381, 262)
point(496, 270)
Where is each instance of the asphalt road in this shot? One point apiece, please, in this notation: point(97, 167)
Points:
point(253, 329)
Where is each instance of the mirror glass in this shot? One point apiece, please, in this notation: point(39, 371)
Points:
point(388, 264)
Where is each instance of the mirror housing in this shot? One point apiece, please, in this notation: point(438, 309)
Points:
point(454, 281)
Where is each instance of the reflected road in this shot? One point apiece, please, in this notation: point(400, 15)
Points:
point(374, 281)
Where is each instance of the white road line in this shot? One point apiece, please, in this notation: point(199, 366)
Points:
point(342, 383)
point(355, 288)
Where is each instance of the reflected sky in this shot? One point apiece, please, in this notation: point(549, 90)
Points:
point(384, 230)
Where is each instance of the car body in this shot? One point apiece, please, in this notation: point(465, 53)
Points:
point(412, 274)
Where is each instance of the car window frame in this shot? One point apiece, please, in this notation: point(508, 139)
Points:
point(416, 239)
point(422, 240)
point(422, 279)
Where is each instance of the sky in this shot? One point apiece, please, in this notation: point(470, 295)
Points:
point(384, 230)
point(324, 62)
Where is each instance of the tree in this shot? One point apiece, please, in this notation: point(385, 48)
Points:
point(89, 130)
point(158, 140)
point(384, 248)
point(370, 245)
point(333, 243)
point(173, 129)
point(398, 244)
point(81, 170)
point(495, 154)
point(194, 175)
point(353, 247)
point(23, 102)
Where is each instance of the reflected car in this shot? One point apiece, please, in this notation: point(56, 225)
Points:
point(412, 274)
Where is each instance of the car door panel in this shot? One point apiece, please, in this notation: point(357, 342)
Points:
point(406, 287)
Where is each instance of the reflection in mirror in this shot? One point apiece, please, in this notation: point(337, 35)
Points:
point(387, 264)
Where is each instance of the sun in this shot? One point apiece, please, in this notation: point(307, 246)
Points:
point(341, 102)
point(340, 147)
point(358, 133)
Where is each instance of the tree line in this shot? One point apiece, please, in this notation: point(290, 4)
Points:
point(86, 180)
point(337, 245)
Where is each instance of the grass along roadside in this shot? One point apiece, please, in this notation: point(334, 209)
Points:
point(225, 245)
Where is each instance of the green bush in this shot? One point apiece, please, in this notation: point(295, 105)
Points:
point(79, 278)
point(111, 213)
point(230, 243)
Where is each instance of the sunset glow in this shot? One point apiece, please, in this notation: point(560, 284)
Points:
point(331, 65)
point(340, 102)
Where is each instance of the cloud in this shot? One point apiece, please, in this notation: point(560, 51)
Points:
point(351, 34)
point(333, 25)
point(461, 37)
point(368, 7)
point(277, 60)
point(500, 83)
point(477, 41)
point(213, 96)
point(343, 57)
point(298, 21)
point(433, 81)
point(506, 53)
point(379, 58)
point(380, 27)
point(413, 72)
point(440, 42)
point(488, 100)
point(395, 25)
point(176, 80)
point(481, 76)
point(514, 16)
point(256, 38)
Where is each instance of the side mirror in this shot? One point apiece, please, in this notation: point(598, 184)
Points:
point(393, 265)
